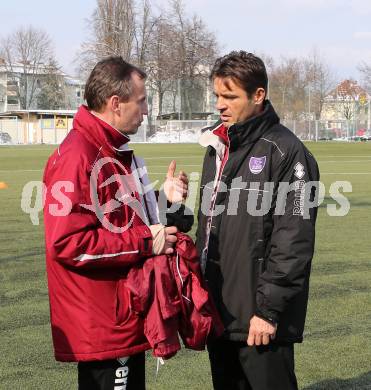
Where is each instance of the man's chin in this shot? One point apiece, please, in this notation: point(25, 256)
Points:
point(227, 123)
point(226, 120)
point(134, 131)
point(131, 131)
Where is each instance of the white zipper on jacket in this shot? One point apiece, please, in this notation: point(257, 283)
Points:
point(220, 165)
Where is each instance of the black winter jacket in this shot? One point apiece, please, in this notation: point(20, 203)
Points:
point(259, 264)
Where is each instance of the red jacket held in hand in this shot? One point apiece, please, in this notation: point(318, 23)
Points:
point(169, 292)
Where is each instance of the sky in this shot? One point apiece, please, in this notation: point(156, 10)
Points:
point(340, 30)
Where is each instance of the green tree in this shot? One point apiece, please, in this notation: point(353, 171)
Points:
point(52, 93)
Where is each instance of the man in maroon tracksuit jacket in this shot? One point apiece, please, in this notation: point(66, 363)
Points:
point(96, 229)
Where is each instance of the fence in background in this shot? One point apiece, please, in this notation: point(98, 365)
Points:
point(318, 130)
point(44, 131)
point(173, 131)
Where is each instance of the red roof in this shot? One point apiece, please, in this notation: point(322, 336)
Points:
point(347, 88)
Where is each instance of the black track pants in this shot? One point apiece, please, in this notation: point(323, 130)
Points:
point(120, 374)
point(236, 366)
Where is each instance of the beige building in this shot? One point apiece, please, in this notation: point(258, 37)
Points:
point(36, 126)
point(348, 105)
point(72, 89)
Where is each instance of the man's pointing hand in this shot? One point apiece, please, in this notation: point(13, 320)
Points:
point(175, 187)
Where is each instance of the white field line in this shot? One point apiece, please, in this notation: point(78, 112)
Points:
point(20, 170)
point(345, 173)
point(174, 157)
point(10, 148)
point(40, 170)
point(150, 166)
point(320, 161)
point(348, 155)
point(321, 173)
point(145, 158)
point(178, 167)
point(343, 161)
point(164, 171)
point(199, 156)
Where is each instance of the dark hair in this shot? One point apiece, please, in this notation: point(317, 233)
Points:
point(110, 76)
point(244, 68)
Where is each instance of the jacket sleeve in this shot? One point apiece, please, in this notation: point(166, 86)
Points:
point(77, 238)
point(182, 218)
point(174, 214)
point(156, 203)
point(288, 261)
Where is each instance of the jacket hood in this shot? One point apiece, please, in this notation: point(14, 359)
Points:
point(98, 132)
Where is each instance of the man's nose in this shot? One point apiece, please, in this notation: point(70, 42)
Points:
point(145, 109)
point(220, 105)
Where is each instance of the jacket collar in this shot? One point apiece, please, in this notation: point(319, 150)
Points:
point(216, 136)
point(253, 128)
point(99, 132)
point(241, 133)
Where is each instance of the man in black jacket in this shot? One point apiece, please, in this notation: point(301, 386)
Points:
point(255, 230)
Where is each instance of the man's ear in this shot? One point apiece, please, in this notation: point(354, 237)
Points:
point(114, 103)
point(259, 96)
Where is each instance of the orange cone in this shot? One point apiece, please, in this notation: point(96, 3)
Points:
point(3, 185)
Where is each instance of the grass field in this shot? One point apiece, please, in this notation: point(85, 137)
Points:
point(336, 353)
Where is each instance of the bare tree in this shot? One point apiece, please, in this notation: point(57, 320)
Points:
point(175, 50)
point(112, 28)
point(162, 66)
point(2, 93)
point(287, 88)
point(25, 52)
point(319, 80)
point(269, 65)
point(347, 108)
point(298, 86)
point(365, 70)
point(196, 49)
point(145, 25)
point(347, 93)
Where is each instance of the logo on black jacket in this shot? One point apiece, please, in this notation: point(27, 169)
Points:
point(299, 170)
point(257, 164)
